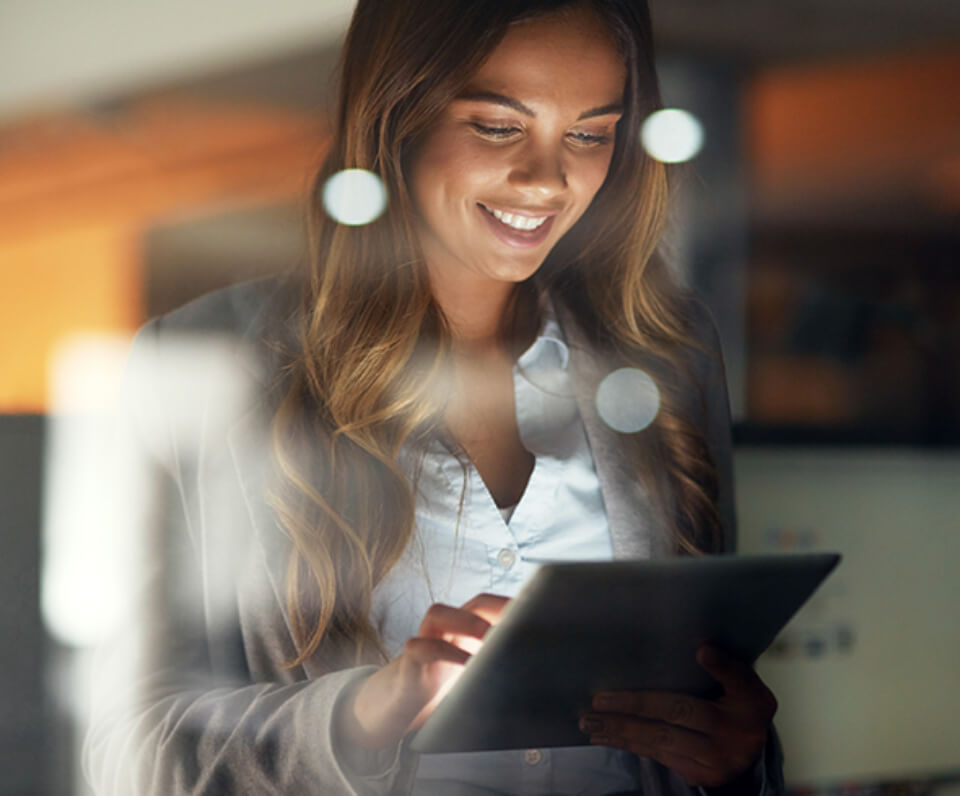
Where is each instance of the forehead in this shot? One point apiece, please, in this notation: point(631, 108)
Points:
point(569, 56)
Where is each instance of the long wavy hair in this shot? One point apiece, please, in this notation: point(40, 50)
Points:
point(366, 375)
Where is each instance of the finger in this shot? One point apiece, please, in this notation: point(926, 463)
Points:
point(428, 668)
point(672, 708)
point(734, 675)
point(489, 606)
point(445, 621)
point(741, 684)
point(422, 651)
point(649, 738)
point(431, 665)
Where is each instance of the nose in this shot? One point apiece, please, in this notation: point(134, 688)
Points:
point(539, 171)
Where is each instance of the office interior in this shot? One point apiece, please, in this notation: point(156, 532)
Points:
point(151, 154)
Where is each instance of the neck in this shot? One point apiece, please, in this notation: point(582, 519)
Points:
point(476, 311)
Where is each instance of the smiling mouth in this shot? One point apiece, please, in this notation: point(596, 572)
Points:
point(521, 223)
point(518, 230)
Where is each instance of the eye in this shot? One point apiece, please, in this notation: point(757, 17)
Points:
point(496, 132)
point(590, 139)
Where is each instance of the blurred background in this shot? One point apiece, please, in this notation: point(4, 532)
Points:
point(152, 152)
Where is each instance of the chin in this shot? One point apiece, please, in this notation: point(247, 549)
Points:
point(515, 269)
point(515, 275)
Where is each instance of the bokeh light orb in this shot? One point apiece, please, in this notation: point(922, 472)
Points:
point(354, 197)
point(628, 400)
point(672, 135)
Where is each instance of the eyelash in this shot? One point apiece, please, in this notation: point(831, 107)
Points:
point(494, 132)
point(500, 133)
point(590, 138)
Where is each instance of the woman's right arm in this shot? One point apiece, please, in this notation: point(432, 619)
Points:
point(193, 696)
point(173, 732)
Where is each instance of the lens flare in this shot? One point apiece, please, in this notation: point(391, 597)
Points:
point(628, 400)
point(672, 135)
point(86, 571)
point(101, 495)
point(354, 197)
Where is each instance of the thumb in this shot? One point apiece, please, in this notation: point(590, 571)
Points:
point(733, 674)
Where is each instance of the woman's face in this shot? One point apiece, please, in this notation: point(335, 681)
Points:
point(516, 159)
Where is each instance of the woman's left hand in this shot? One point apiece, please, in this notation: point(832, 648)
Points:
point(707, 742)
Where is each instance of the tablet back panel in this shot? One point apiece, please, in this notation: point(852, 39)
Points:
point(579, 628)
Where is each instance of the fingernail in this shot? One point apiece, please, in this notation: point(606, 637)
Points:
point(590, 725)
point(600, 740)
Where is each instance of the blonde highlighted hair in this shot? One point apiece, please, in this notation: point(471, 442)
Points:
point(369, 364)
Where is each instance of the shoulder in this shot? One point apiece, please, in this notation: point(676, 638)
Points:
point(208, 363)
point(251, 322)
point(241, 310)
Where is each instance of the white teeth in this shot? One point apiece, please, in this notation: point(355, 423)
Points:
point(517, 222)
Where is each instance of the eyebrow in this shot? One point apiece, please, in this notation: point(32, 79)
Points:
point(510, 102)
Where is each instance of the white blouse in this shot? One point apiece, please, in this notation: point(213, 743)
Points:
point(464, 548)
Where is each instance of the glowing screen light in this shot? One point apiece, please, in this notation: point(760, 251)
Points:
point(86, 575)
point(354, 197)
point(672, 135)
point(628, 400)
point(102, 502)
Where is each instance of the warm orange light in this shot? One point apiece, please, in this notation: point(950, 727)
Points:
point(856, 128)
point(78, 193)
point(54, 286)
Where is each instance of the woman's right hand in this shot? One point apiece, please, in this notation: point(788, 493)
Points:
point(400, 696)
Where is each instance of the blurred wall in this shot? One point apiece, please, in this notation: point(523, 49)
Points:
point(866, 674)
point(28, 755)
point(55, 53)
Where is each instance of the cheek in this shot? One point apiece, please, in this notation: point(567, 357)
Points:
point(591, 175)
point(443, 176)
point(600, 169)
point(470, 167)
point(431, 169)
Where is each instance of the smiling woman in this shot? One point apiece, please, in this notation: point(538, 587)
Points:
point(430, 383)
point(520, 153)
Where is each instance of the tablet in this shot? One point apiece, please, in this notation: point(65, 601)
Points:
point(579, 628)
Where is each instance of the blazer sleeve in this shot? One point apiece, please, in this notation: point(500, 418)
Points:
point(766, 776)
point(715, 403)
point(176, 708)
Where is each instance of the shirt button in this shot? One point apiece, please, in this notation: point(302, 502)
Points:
point(506, 558)
point(532, 756)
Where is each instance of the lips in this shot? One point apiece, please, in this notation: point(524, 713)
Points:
point(518, 238)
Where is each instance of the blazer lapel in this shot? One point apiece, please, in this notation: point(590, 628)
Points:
point(635, 527)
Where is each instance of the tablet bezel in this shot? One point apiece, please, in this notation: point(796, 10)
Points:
point(578, 628)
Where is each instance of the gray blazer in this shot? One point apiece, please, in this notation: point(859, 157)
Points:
point(196, 696)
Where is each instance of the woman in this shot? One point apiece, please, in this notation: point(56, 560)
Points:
point(431, 385)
